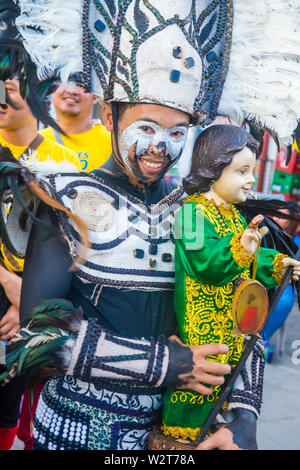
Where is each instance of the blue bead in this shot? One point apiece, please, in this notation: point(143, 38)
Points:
point(153, 249)
point(175, 76)
point(72, 193)
point(138, 253)
point(211, 57)
point(177, 52)
point(189, 62)
point(133, 218)
point(100, 26)
point(152, 264)
point(166, 257)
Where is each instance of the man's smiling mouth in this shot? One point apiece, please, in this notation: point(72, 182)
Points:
point(151, 165)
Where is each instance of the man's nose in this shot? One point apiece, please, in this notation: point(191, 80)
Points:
point(160, 149)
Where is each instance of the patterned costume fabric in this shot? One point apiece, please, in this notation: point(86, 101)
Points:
point(203, 301)
point(75, 415)
point(106, 392)
point(142, 51)
point(131, 244)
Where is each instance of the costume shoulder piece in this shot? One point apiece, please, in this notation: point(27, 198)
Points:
point(236, 58)
point(23, 184)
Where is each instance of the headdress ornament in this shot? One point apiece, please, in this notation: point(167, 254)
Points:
point(205, 57)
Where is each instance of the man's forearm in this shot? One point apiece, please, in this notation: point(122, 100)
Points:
point(248, 388)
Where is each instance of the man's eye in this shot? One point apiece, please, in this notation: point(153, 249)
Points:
point(147, 129)
point(176, 134)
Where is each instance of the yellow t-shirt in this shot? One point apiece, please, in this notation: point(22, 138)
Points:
point(93, 146)
point(47, 150)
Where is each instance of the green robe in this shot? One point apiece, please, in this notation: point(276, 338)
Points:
point(208, 258)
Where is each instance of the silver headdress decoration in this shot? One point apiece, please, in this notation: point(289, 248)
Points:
point(205, 57)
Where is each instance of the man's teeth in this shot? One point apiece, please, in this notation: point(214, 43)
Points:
point(152, 165)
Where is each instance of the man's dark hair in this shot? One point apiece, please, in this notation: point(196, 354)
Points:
point(214, 149)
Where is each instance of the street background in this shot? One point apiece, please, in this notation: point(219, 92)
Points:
point(279, 424)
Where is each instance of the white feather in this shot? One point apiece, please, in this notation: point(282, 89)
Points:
point(263, 79)
point(49, 166)
point(52, 35)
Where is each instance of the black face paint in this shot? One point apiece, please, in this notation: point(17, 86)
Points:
point(180, 362)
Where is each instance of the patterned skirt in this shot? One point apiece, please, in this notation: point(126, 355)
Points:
point(76, 415)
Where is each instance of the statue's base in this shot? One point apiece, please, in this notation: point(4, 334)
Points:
point(158, 441)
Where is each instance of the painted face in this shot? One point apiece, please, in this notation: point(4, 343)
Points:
point(147, 149)
point(237, 178)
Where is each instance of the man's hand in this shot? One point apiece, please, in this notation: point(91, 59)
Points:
point(240, 434)
point(12, 285)
point(10, 323)
point(189, 368)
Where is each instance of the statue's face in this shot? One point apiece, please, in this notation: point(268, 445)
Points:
point(237, 178)
point(151, 137)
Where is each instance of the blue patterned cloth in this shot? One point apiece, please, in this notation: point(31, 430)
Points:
point(76, 415)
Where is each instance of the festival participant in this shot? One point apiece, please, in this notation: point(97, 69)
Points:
point(207, 269)
point(86, 136)
point(142, 59)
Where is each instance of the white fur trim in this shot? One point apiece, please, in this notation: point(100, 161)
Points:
point(49, 166)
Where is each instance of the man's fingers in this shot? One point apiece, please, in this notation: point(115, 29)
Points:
point(222, 440)
point(197, 387)
point(213, 368)
point(212, 379)
point(212, 349)
point(11, 333)
point(210, 443)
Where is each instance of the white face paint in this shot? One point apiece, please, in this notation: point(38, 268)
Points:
point(147, 133)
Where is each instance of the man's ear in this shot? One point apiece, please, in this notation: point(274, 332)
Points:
point(107, 117)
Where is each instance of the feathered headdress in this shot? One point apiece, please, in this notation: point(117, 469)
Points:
point(237, 58)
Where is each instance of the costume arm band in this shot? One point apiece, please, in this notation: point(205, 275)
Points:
point(248, 388)
point(100, 355)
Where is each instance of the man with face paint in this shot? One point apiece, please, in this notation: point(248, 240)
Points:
point(157, 66)
point(149, 140)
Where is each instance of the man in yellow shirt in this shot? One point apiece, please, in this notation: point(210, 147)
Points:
point(18, 128)
point(84, 135)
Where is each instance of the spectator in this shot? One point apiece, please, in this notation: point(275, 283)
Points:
point(88, 137)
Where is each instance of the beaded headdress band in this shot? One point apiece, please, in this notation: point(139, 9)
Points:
point(205, 57)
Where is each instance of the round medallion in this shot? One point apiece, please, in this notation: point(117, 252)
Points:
point(250, 307)
point(94, 210)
